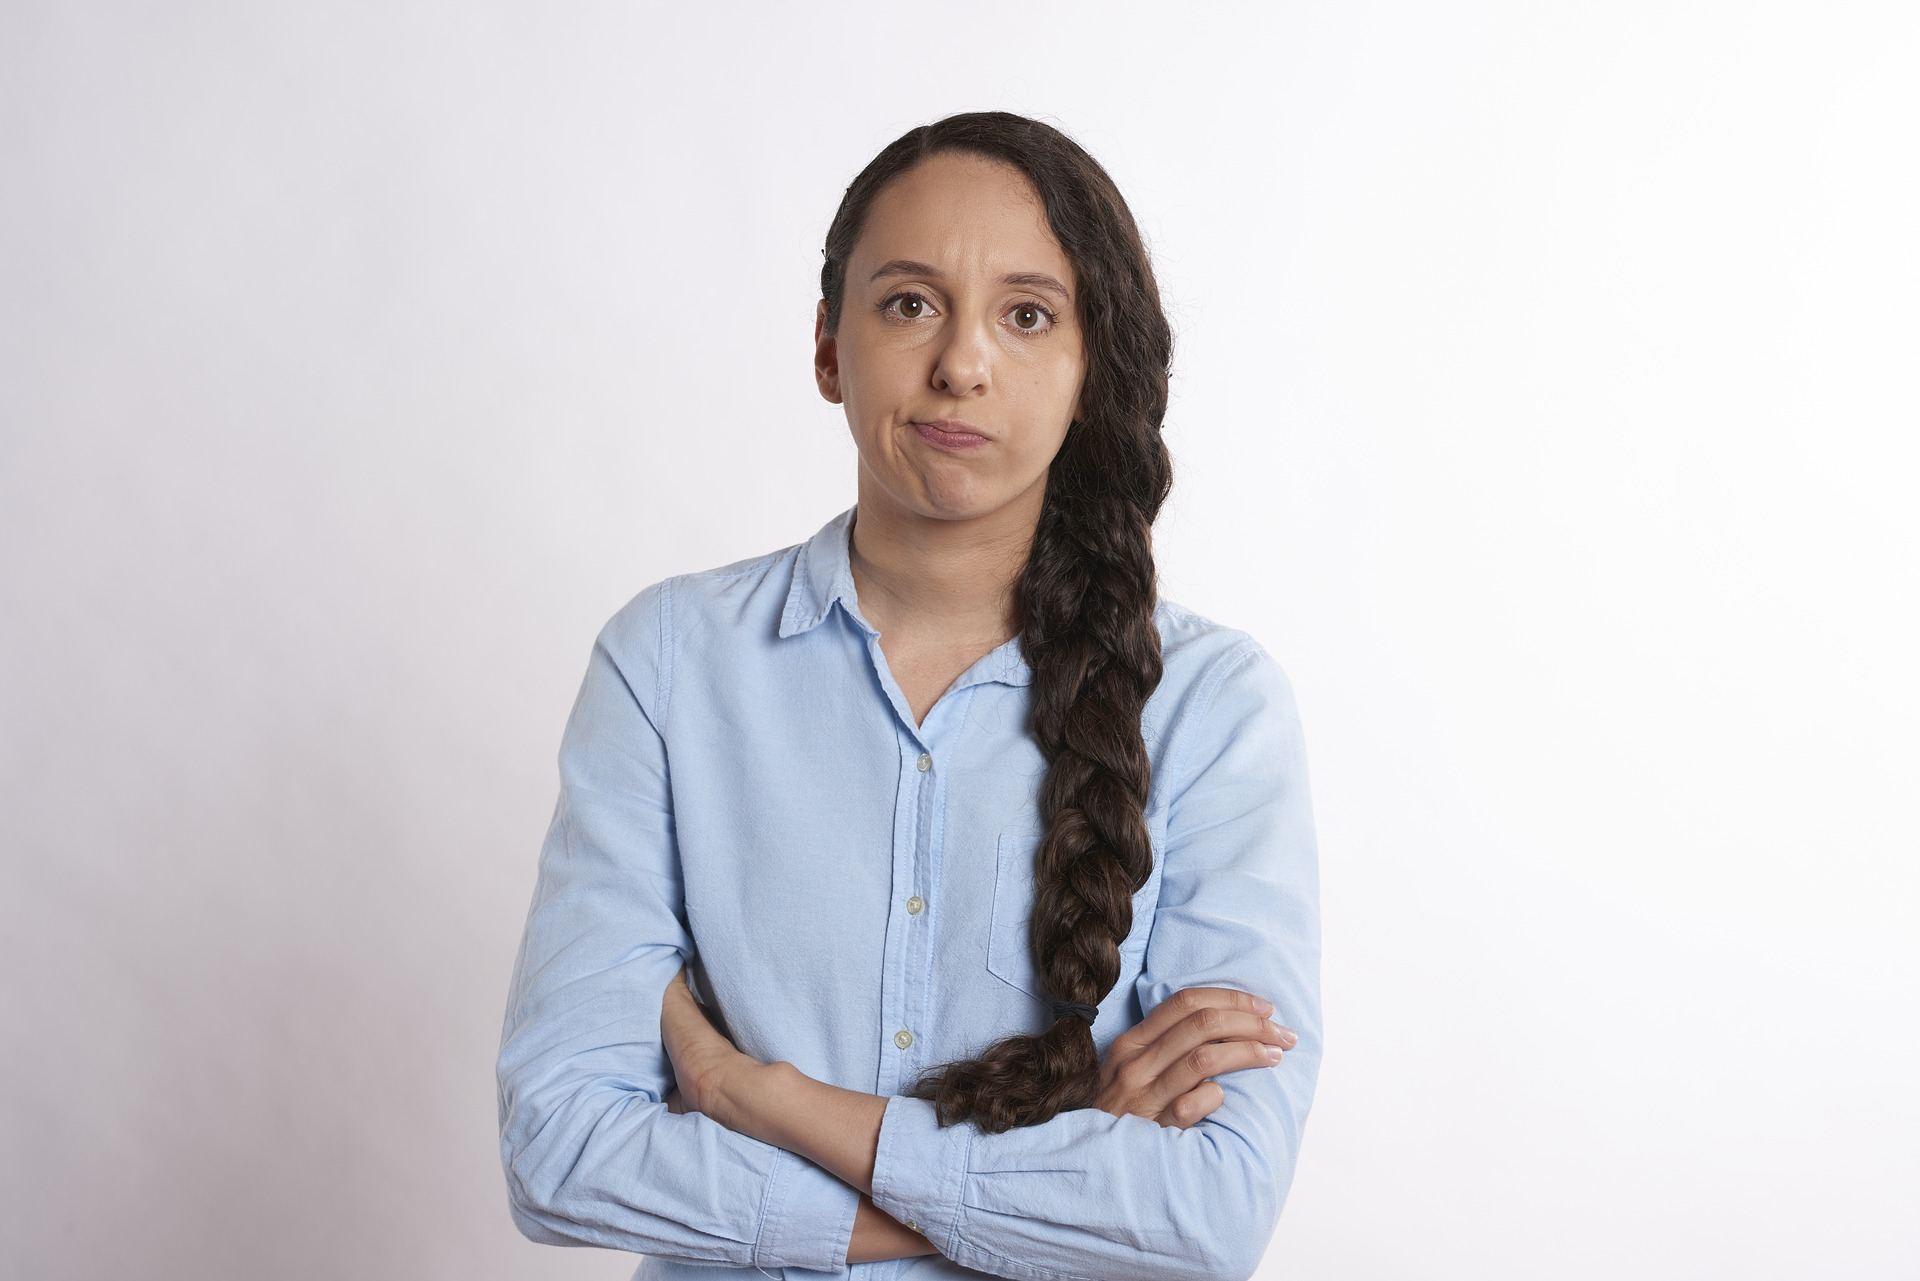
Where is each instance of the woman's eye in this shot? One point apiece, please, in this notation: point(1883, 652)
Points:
point(1027, 316)
point(1036, 311)
point(905, 299)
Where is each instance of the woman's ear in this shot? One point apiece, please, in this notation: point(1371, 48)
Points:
point(826, 356)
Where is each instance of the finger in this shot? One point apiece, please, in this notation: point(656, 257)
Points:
point(1148, 1036)
point(1211, 1041)
point(1211, 1022)
point(1198, 1072)
point(1182, 1005)
point(1219, 1023)
point(1194, 1106)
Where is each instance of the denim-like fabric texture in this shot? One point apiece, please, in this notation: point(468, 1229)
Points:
point(742, 785)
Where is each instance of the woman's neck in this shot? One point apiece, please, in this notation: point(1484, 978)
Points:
point(920, 576)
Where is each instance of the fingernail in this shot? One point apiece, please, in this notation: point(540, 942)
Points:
point(1289, 1037)
point(1273, 1052)
point(1263, 1005)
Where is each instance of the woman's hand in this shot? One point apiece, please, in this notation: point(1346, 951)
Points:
point(1161, 1068)
point(705, 1062)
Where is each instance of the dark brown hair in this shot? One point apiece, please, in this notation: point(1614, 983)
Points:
point(1083, 604)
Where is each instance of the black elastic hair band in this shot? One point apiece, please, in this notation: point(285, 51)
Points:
point(1085, 1009)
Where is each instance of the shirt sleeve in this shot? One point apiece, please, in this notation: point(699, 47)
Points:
point(1091, 1195)
point(592, 1155)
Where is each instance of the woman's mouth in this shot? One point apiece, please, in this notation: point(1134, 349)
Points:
point(957, 441)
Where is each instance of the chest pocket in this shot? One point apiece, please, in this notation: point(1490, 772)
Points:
point(1008, 955)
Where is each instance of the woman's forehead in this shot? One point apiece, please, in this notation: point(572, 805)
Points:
point(969, 220)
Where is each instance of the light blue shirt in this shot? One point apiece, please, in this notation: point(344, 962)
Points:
point(742, 783)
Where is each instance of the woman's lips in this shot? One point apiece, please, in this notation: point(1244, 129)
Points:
point(957, 441)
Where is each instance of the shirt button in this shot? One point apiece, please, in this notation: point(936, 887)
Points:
point(926, 762)
point(912, 1226)
point(915, 905)
point(903, 1038)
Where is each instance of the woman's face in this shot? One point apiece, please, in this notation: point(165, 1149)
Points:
point(932, 329)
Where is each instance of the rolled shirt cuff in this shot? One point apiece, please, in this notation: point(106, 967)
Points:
point(808, 1221)
point(919, 1167)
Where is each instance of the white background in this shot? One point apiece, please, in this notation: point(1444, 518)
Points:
point(1544, 400)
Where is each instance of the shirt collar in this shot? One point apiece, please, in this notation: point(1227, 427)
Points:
point(823, 574)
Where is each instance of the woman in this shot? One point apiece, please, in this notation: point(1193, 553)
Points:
point(992, 863)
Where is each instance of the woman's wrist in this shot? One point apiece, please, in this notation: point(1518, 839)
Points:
point(738, 1095)
point(878, 1235)
point(760, 1097)
point(836, 1129)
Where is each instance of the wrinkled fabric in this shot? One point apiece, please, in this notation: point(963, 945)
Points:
point(743, 786)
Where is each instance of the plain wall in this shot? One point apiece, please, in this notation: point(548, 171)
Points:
point(1544, 399)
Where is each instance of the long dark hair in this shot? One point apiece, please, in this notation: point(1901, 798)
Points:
point(1083, 604)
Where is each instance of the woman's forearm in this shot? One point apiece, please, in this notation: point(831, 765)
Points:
point(835, 1129)
point(878, 1235)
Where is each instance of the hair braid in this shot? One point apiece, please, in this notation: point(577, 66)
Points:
point(1084, 604)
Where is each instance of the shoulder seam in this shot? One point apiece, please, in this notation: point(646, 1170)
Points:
point(753, 565)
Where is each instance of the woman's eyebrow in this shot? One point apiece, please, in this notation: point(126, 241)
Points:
point(1031, 279)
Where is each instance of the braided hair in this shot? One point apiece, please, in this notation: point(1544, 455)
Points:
point(1083, 604)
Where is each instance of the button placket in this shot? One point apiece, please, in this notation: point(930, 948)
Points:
point(917, 942)
point(918, 826)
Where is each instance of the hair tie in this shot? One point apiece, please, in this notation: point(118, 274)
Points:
point(1085, 1009)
